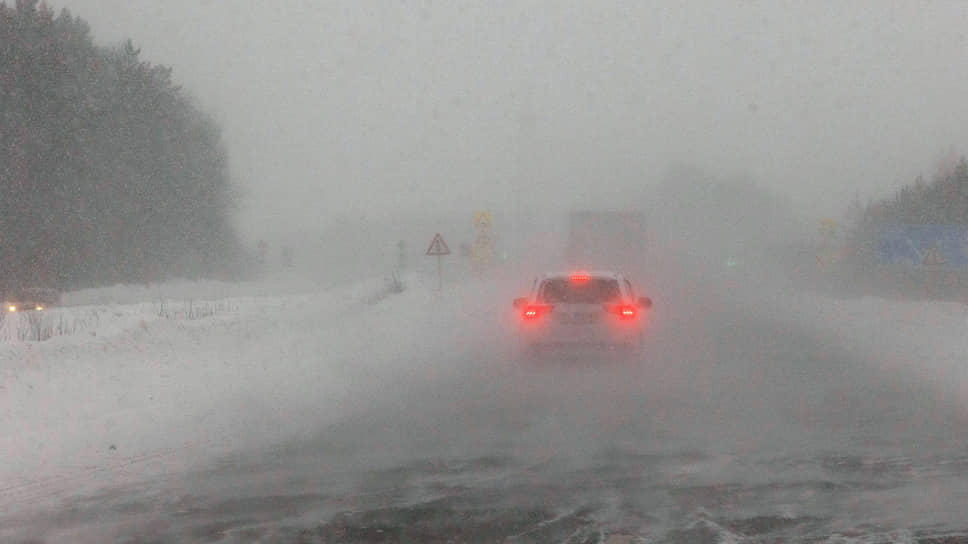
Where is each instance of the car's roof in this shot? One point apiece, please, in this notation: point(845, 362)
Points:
point(606, 274)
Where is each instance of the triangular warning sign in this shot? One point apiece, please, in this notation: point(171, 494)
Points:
point(438, 246)
point(933, 257)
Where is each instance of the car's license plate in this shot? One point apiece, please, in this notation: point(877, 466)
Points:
point(580, 318)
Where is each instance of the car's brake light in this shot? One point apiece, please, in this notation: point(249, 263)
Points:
point(623, 311)
point(579, 277)
point(534, 311)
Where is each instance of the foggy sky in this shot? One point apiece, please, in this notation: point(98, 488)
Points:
point(366, 107)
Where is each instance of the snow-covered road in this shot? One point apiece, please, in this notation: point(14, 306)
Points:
point(321, 417)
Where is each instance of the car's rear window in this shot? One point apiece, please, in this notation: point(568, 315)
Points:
point(592, 291)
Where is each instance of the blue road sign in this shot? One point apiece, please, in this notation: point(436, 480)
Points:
point(934, 246)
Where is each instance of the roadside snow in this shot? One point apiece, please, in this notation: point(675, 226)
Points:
point(138, 394)
point(923, 340)
point(281, 283)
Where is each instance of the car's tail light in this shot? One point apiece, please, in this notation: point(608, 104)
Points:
point(623, 311)
point(579, 277)
point(534, 311)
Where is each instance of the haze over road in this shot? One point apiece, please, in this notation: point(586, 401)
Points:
point(736, 421)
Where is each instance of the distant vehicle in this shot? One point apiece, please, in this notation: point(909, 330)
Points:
point(582, 309)
point(610, 239)
point(30, 299)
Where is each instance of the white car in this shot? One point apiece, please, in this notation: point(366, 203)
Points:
point(578, 309)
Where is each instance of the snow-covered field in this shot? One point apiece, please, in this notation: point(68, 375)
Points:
point(142, 387)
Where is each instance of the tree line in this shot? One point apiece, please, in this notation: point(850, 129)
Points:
point(941, 201)
point(108, 170)
point(944, 200)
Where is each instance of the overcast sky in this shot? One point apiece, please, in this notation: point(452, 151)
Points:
point(366, 106)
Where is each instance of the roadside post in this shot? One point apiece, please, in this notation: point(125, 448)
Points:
point(401, 256)
point(439, 248)
point(483, 250)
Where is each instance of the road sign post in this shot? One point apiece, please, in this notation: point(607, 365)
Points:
point(439, 248)
point(483, 249)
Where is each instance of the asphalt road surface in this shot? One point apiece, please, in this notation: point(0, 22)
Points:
point(733, 426)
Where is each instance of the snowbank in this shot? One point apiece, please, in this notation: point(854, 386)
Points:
point(283, 283)
point(140, 393)
point(924, 340)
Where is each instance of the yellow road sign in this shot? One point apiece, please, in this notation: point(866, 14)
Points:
point(483, 220)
